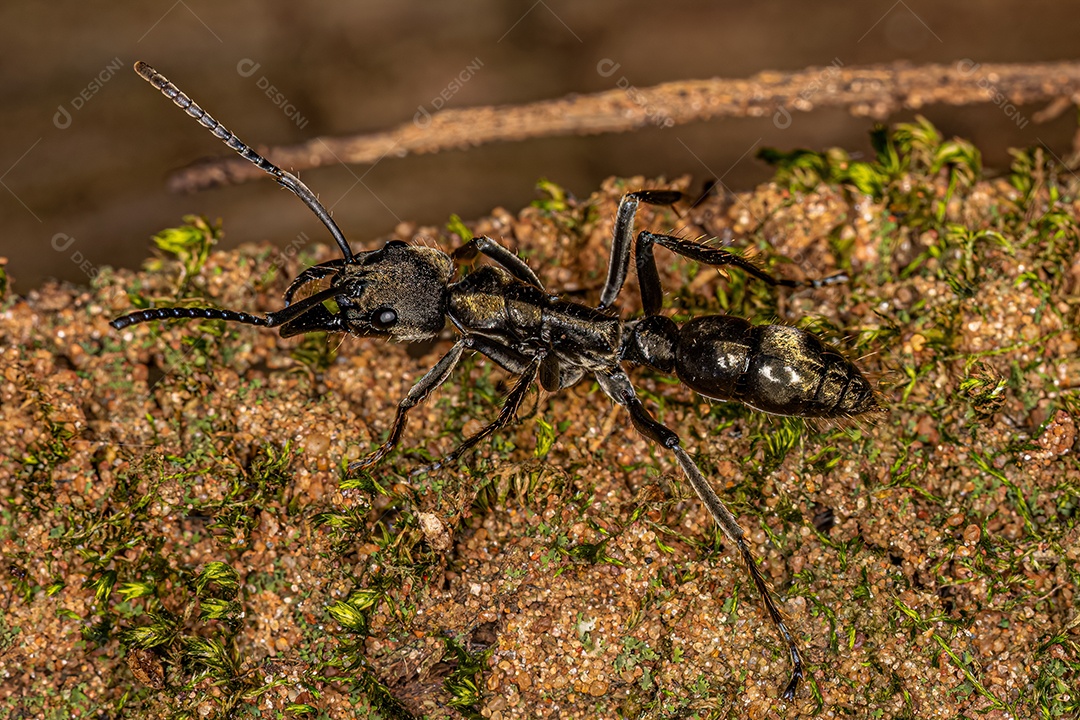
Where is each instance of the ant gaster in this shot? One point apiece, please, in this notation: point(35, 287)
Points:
point(406, 293)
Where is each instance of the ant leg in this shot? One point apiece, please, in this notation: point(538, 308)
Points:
point(435, 377)
point(553, 375)
point(506, 415)
point(315, 272)
point(504, 356)
point(619, 263)
point(508, 260)
point(617, 385)
point(717, 257)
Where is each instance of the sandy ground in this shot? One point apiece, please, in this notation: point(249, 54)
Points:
point(178, 535)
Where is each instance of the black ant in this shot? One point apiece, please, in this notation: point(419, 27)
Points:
point(404, 292)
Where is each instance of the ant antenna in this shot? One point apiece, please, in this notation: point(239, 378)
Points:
point(285, 179)
point(272, 319)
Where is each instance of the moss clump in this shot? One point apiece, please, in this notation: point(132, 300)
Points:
point(180, 539)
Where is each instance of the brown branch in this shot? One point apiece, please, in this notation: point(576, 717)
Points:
point(872, 91)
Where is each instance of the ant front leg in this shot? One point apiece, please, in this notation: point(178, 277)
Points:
point(619, 264)
point(504, 257)
point(311, 274)
point(506, 415)
point(617, 386)
point(435, 377)
point(505, 357)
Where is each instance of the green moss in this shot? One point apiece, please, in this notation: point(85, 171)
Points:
point(190, 244)
point(465, 682)
point(897, 579)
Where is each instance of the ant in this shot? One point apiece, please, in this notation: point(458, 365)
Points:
point(406, 293)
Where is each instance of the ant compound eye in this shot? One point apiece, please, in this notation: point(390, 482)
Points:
point(395, 243)
point(384, 318)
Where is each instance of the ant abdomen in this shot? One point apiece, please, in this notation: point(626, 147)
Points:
point(773, 368)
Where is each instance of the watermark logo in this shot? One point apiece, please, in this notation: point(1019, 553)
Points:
point(804, 100)
point(280, 258)
point(422, 118)
point(607, 68)
point(969, 68)
point(63, 117)
point(247, 68)
point(61, 242)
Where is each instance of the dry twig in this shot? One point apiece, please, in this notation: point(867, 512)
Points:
point(872, 91)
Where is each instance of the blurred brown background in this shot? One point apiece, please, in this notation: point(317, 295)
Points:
point(87, 144)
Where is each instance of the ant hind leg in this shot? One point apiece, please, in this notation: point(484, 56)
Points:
point(617, 386)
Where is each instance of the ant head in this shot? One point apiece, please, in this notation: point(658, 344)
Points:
point(397, 292)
